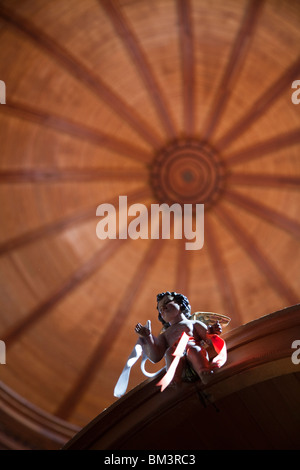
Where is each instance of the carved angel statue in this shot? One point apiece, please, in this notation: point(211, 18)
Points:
point(191, 344)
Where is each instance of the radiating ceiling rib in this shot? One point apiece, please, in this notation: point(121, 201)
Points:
point(86, 270)
point(234, 65)
point(260, 149)
point(261, 105)
point(131, 43)
point(267, 181)
point(82, 73)
point(248, 243)
point(226, 287)
point(79, 131)
point(115, 326)
point(186, 40)
point(264, 212)
point(182, 269)
point(77, 175)
point(60, 225)
point(46, 230)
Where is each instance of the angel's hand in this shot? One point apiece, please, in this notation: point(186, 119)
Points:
point(215, 329)
point(142, 330)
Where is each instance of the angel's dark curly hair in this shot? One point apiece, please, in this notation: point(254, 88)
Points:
point(180, 299)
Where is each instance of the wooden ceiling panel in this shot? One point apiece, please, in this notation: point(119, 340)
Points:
point(277, 245)
point(14, 306)
point(60, 78)
point(259, 275)
point(279, 121)
point(46, 206)
point(277, 207)
point(220, 251)
point(203, 283)
point(102, 53)
point(214, 29)
point(252, 97)
point(138, 98)
point(52, 143)
point(243, 163)
point(155, 49)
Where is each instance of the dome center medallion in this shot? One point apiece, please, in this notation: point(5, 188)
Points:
point(187, 172)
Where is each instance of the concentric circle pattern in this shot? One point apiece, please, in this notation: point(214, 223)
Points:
point(187, 172)
point(162, 101)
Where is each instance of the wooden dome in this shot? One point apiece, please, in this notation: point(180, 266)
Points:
point(158, 101)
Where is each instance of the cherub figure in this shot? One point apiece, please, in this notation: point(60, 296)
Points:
point(182, 341)
point(175, 314)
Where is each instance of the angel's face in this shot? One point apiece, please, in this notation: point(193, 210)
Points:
point(168, 309)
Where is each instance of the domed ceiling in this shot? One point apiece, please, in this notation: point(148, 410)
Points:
point(161, 101)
